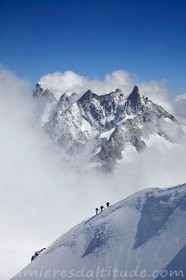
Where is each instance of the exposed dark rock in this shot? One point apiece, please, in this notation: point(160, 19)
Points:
point(133, 103)
point(77, 123)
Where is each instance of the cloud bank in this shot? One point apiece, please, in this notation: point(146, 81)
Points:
point(41, 196)
point(69, 81)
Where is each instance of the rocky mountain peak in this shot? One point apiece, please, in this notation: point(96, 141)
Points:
point(118, 90)
point(37, 90)
point(87, 97)
point(135, 90)
point(134, 101)
point(106, 123)
point(41, 93)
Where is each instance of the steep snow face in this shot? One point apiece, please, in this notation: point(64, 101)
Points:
point(137, 238)
point(104, 123)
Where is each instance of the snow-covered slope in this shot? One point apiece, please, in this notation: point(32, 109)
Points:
point(138, 238)
point(100, 126)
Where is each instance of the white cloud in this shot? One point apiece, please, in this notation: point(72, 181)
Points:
point(180, 106)
point(12, 84)
point(158, 93)
point(181, 97)
point(161, 165)
point(60, 83)
point(40, 195)
point(69, 81)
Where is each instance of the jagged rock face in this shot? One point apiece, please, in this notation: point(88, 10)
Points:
point(107, 121)
point(133, 103)
point(112, 149)
point(102, 112)
point(44, 101)
point(43, 96)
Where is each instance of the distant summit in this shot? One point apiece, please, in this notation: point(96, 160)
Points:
point(134, 100)
point(102, 127)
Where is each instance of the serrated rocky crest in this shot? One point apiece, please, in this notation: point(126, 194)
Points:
point(102, 125)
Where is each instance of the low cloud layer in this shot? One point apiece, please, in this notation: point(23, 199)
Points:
point(41, 196)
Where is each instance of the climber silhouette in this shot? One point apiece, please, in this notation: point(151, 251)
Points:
point(107, 204)
point(97, 211)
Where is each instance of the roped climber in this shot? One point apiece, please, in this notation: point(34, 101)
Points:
point(97, 211)
point(107, 204)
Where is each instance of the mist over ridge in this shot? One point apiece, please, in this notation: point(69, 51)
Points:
point(38, 180)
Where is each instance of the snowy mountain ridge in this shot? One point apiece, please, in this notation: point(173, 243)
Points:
point(101, 126)
point(143, 233)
